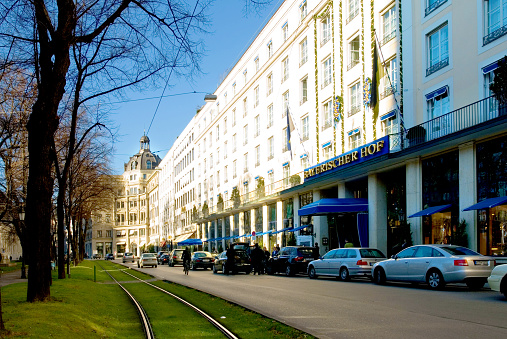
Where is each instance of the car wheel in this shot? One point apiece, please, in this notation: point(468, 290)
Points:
point(379, 276)
point(475, 283)
point(503, 287)
point(288, 270)
point(435, 280)
point(311, 273)
point(344, 274)
point(214, 270)
point(156, 266)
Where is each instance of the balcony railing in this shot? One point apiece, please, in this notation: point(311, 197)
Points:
point(452, 122)
point(388, 37)
point(354, 110)
point(438, 66)
point(352, 15)
point(494, 35)
point(326, 125)
point(433, 6)
point(352, 64)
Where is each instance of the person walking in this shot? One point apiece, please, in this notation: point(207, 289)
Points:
point(230, 254)
point(265, 259)
point(316, 251)
point(185, 256)
point(256, 256)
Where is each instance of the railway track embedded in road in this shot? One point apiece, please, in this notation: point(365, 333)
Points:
point(144, 317)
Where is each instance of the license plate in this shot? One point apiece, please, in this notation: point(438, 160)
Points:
point(206, 260)
point(481, 263)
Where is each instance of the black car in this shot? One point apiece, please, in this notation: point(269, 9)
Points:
point(175, 258)
point(164, 259)
point(201, 259)
point(109, 256)
point(291, 260)
point(241, 262)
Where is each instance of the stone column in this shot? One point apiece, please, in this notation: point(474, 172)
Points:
point(252, 220)
point(320, 228)
point(241, 226)
point(279, 221)
point(265, 237)
point(377, 213)
point(468, 190)
point(414, 197)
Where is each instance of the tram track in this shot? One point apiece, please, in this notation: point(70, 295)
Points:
point(147, 328)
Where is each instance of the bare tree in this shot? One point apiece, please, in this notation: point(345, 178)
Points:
point(122, 43)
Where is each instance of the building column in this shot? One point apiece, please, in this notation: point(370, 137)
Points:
point(279, 220)
point(320, 228)
point(377, 213)
point(252, 220)
point(216, 232)
point(414, 197)
point(241, 226)
point(343, 192)
point(265, 237)
point(468, 190)
point(295, 199)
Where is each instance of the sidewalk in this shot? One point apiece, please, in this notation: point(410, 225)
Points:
point(11, 278)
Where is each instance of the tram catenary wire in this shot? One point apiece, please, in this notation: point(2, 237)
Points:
point(206, 316)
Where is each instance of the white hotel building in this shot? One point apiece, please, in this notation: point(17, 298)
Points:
point(418, 155)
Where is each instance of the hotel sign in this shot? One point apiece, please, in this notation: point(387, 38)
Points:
point(369, 151)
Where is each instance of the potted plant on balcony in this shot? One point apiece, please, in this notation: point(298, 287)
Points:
point(260, 187)
point(220, 202)
point(294, 180)
point(235, 197)
point(499, 86)
point(416, 135)
point(205, 209)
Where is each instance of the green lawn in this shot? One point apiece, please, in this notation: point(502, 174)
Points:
point(84, 309)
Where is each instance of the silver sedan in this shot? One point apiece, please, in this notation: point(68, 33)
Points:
point(436, 265)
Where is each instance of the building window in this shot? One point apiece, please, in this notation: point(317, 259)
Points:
point(285, 146)
point(205, 165)
point(286, 175)
point(217, 132)
point(234, 143)
point(225, 125)
point(285, 31)
point(245, 162)
point(211, 161)
point(234, 169)
point(270, 49)
point(218, 156)
point(389, 82)
point(353, 10)
point(355, 99)
point(270, 115)
point(303, 52)
point(225, 98)
point(304, 161)
point(257, 156)
point(495, 20)
point(245, 76)
point(285, 69)
point(256, 61)
point(271, 148)
point(245, 135)
point(257, 126)
point(354, 53)
point(327, 68)
point(245, 107)
point(210, 139)
point(327, 115)
point(109, 233)
point(148, 164)
point(327, 151)
point(303, 10)
point(438, 105)
point(225, 174)
point(233, 117)
point(432, 5)
point(256, 95)
point(285, 103)
point(271, 181)
point(269, 84)
point(389, 25)
point(389, 123)
point(99, 234)
point(305, 128)
point(438, 50)
point(304, 90)
point(326, 30)
point(354, 139)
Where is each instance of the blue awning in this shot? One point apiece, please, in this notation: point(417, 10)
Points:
point(491, 67)
point(190, 242)
point(327, 206)
point(298, 228)
point(326, 144)
point(437, 92)
point(488, 203)
point(354, 131)
point(430, 211)
point(388, 115)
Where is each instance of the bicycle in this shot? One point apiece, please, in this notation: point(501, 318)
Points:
point(186, 267)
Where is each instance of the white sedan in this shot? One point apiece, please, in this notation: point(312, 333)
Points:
point(498, 279)
point(147, 259)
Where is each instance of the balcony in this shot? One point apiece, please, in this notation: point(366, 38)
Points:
point(388, 37)
point(326, 125)
point(352, 15)
point(438, 66)
point(433, 7)
point(458, 120)
point(352, 64)
point(494, 35)
point(353, 110)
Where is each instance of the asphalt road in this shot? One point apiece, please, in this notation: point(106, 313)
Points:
point(328, 308)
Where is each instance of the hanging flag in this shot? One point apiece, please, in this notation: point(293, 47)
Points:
point(337, 109)
point(290, 128)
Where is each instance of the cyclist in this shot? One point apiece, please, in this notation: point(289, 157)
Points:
point(186, 260)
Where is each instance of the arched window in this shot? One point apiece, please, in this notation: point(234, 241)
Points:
point(148, 164)
point(133, 165)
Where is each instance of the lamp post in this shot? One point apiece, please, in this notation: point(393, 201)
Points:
point(23, 268)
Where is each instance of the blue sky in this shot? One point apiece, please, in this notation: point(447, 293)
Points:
point(232, 31)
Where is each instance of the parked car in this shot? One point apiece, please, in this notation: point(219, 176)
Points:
point(175, 257)
point(201, 259)
point(97, 256)
point(160, 254)
point(109, 256)
point(164, 259)
point(498, 279)
point(435, 265)
point(147, 259)
point(345, 263)
point(241, 263)
point(128, 257)
point(291, 260)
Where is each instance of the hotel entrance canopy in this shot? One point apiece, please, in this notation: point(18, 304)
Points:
point(329, 206)
point(488, 203)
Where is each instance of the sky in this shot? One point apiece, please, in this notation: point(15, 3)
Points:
point(232, 28)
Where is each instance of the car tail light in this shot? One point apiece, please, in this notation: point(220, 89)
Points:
point(198, 260)
point(361, 262)
point(299, 258)
point(460, 262)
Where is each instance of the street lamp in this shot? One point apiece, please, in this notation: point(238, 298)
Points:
point(23, 268)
